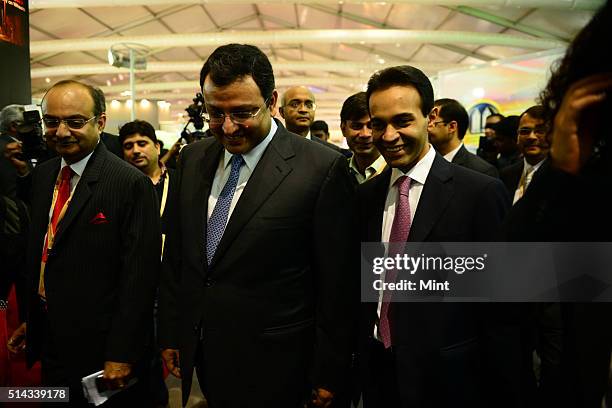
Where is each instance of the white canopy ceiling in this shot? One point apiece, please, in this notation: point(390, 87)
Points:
point(332, 46)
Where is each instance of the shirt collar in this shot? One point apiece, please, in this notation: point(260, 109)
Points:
point(252, 157)
point(529, 168)
point(308, 136)
point(419, 171)
point(375, 168)
point(451, 155)
point(79, 167)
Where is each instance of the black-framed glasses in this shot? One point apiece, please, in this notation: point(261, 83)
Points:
point(72, 123)
point(538, 130)
point(295, 104)
point(238, 118)
point(356, 125)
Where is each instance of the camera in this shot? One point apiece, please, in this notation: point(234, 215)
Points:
point(30, 134)
point(195, 116)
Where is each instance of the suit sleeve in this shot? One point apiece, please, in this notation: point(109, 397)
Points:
point(168, 313)
point(337, 278)
point(140, 249)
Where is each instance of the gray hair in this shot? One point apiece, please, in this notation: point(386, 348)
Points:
point(9, 115)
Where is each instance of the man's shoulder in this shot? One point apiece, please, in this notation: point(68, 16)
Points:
point(512, 169)
point(478, 164)
point(468, 178)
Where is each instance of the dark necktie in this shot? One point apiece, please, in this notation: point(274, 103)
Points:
point(218, 218)
point(397, 240)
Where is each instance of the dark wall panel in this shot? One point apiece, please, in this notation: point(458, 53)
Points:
point(14, 53)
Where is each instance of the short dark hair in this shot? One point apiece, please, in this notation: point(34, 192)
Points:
point(142, 127)
point(451, 109)
point(403, 75)
point(96, 94)
point(232, 62)
point(319, 125)
point(354, 107)
point(507, 127)
point(536, 112)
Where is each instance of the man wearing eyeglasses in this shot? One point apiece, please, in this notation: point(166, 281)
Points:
point(534, 146)
point(298, 110)
point(446, 133)
point(252, 295)
point(357, 129)
point(95, 224)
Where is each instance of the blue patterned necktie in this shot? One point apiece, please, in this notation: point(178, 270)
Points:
point(218, 218)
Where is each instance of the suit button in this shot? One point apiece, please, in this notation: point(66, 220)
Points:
point(209, 283)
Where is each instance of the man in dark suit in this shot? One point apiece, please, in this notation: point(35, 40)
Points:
point(446, 133)
point(91, 274)
point(427, 354)
point(298, 110)
point(534, 147)
point(251, 294)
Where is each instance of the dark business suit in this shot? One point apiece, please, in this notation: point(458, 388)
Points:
point(473, 162)
point(275, 308)
point(345, 152)
point(100, 277)
point(8, 174)
point(560, 207)
point(444, 354)
point(511, 176)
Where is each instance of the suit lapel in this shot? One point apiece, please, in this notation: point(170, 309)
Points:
point(375, 207)
point(461, 156)
point(267, 176)
point(435, 197)
point(82, 193)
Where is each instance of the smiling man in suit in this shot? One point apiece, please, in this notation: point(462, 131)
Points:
point(424, 354)
point(89, 309)
point(251, 294)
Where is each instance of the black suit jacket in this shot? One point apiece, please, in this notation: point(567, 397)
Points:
point(451, 353)
point(275, 308)
point(473, 162)
point(511, 176)
point(100, 277)
point(345, 152)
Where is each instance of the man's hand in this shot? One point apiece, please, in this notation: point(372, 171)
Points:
point(572, 143)
point(17, 341)
point(321, 398)
point(116, 374)
point(171, 358)
point(13, 152)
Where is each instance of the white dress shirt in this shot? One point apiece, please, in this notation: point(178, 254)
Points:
point(451, 155)
point(418, 175)
point(223, 171)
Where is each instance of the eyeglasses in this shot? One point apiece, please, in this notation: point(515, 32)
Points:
point(238, 118)
point(72, 123)
point(295, 104)
point(438, 122)
point(354, 125)
point(538, 130)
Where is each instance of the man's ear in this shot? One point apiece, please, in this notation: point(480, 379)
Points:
point(453, 127)
point(101, 121)
point(158, 147)
point(433, 115)
point(343, 127)
point(273, 103)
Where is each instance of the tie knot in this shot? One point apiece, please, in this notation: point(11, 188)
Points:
point(237, 161)
point(403, 185)
point(66, 173)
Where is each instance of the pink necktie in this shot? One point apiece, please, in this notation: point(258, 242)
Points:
point(397, 241)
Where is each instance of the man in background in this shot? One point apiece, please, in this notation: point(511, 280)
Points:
point(298, 110)
point(446, 132)
point(356, 127)
point(534, 146)
point(320, 129)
